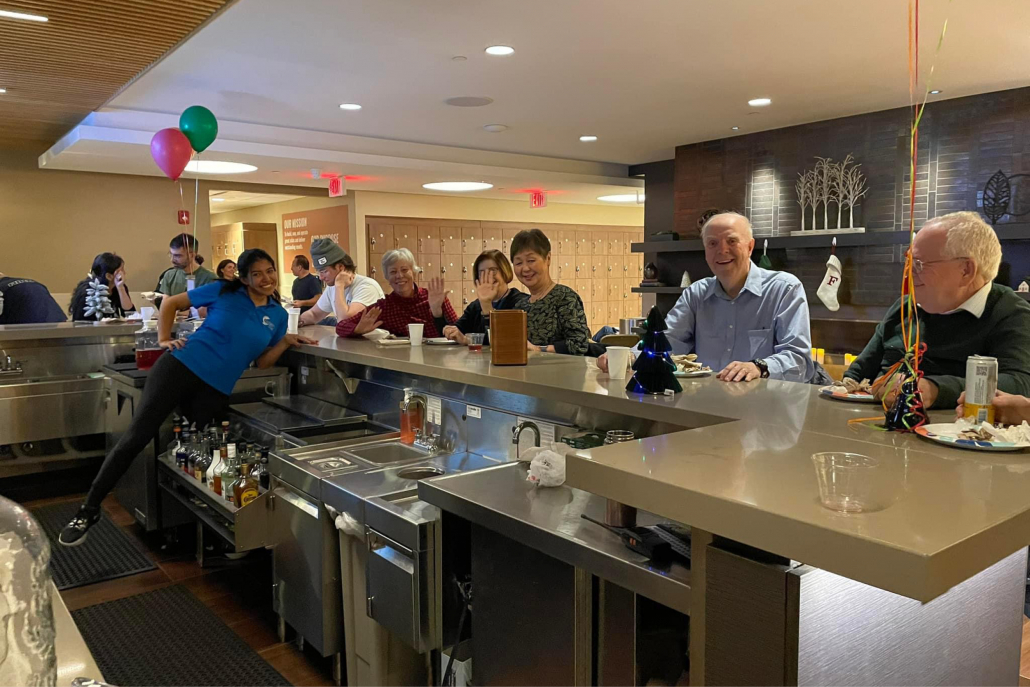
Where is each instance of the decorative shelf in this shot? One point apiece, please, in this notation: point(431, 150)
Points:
point(658, 289)
point(869, 238)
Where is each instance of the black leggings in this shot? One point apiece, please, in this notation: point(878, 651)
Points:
point(169, 384)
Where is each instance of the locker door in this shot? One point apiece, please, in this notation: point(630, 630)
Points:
point(471, 241)
point(380, 238)
point(567, 240)
point(430, 268)
point(506, 236)
point(428, 240)
point(584, 243)
point(616, 243)
point(406, 236)
point(493, 239)
point(599, 239)
point(616, 265)
point(450, 240)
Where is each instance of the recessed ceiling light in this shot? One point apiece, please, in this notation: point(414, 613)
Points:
point(468, 101)
point(495, 128)
point(22, 15)
point(219, 167)
point(218, 200)
point(500, 50)
point(622, 198)
point(350, 106)
point(458, 58)
point(934, 92)
point(457, 186)
point(734, 128)
point(588, 139)
point(3, 90)
point(759, 102)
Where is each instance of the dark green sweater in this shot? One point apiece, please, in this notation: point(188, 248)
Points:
point(1002, 332)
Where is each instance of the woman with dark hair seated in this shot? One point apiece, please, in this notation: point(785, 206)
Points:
point(245, 324)
point(557, 321)
point(493, 277)
point(108, 269)
point(226, 270)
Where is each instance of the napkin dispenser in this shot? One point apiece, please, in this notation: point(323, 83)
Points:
point(508, 337)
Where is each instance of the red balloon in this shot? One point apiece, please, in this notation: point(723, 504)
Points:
point(171, 151)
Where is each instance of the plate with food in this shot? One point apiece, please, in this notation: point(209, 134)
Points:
point(981, 436)
point(850, 390)
point(393, 342)
point(687, 366)
point(440, 341)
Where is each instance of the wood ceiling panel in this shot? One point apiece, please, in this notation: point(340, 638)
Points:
point(59, 71)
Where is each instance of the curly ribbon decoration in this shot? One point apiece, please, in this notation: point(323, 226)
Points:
point(907, 411)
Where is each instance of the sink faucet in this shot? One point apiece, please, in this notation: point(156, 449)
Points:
point(517, 431)
point(423, 438)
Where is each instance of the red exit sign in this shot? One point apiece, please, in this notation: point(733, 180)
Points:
point(336, 187)
point(537, 199)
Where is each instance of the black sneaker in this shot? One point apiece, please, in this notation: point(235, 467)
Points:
point(74, 533)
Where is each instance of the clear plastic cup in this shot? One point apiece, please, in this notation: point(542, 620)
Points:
point(293, 320)
point(415, 334)
point(475, 342)
point(618, 361)
point(848, 482)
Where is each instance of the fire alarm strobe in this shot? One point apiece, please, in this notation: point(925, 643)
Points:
point(184, 216)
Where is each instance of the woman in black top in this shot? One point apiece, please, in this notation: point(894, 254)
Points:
point(556, 320)
point(493, 276)
point(108, 269)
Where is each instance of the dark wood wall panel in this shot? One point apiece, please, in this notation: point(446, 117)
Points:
point(962, 142)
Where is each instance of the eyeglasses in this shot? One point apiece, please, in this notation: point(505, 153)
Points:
point(918, 265)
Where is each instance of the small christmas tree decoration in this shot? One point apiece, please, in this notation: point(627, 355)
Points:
point(653, 370)
point(98, 300)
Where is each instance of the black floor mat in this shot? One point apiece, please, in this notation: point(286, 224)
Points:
point(168, 637)
point(107, 553)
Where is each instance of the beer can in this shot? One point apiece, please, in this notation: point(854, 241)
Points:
point(981, 383)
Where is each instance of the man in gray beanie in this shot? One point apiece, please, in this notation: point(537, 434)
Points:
point(347, 293)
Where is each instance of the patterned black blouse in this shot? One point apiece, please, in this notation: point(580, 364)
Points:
point(558, 319)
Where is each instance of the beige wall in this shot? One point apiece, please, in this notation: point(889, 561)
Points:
point(368, 203)
point(53, 223)
point(273, 212)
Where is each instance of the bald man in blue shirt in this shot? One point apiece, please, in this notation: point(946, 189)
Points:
point(746, 322)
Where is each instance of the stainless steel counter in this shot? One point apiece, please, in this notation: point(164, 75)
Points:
point(548, 519)
point(66, 330)
point(750, 478)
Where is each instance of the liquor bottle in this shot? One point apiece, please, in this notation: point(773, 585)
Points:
point(191, 460)
point(265, 475)
point(183, 452)
point(229, 475)
point(214, 471)
point(245, 488)
point(173, 448)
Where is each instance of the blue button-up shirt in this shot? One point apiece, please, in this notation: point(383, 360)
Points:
point(768, 319)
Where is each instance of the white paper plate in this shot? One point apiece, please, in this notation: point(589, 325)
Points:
point(945, 433)
point(850, 398)
point(440, 341)
point(393, 342)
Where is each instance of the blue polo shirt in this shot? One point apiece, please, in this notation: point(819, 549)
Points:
point(234, 334)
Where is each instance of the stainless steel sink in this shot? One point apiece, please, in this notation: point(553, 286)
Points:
point(387, 453)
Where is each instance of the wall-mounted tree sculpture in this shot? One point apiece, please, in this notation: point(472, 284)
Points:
point(830, 182)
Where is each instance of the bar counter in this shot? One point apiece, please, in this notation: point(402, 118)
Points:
point(745, 471)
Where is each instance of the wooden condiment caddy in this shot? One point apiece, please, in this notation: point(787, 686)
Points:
point(508, 337)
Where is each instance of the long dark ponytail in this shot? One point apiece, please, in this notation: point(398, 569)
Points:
point(243, 264)
point(103, 265)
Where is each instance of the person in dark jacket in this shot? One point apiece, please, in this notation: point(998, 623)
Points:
point(26, 301)
point(493, 277)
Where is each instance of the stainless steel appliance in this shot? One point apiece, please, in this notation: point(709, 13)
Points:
point(390, 562)
point(306, 572)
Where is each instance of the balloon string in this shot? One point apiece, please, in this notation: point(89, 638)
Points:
point(182, 209)
point(196, 198)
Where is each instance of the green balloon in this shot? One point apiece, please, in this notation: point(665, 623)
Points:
point(200, 127)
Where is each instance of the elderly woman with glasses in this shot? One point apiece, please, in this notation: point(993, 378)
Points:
point(407, 304)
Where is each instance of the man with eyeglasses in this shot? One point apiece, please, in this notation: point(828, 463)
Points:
point(961, 313)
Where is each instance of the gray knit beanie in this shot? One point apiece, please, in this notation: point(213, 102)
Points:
point(325, 252)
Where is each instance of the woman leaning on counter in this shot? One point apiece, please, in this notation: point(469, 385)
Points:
point(245, 324)
point(407, 304)
point(557, 321)
point(493, 277)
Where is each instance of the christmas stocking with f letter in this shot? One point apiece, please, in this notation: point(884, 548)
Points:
point(831, 282)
